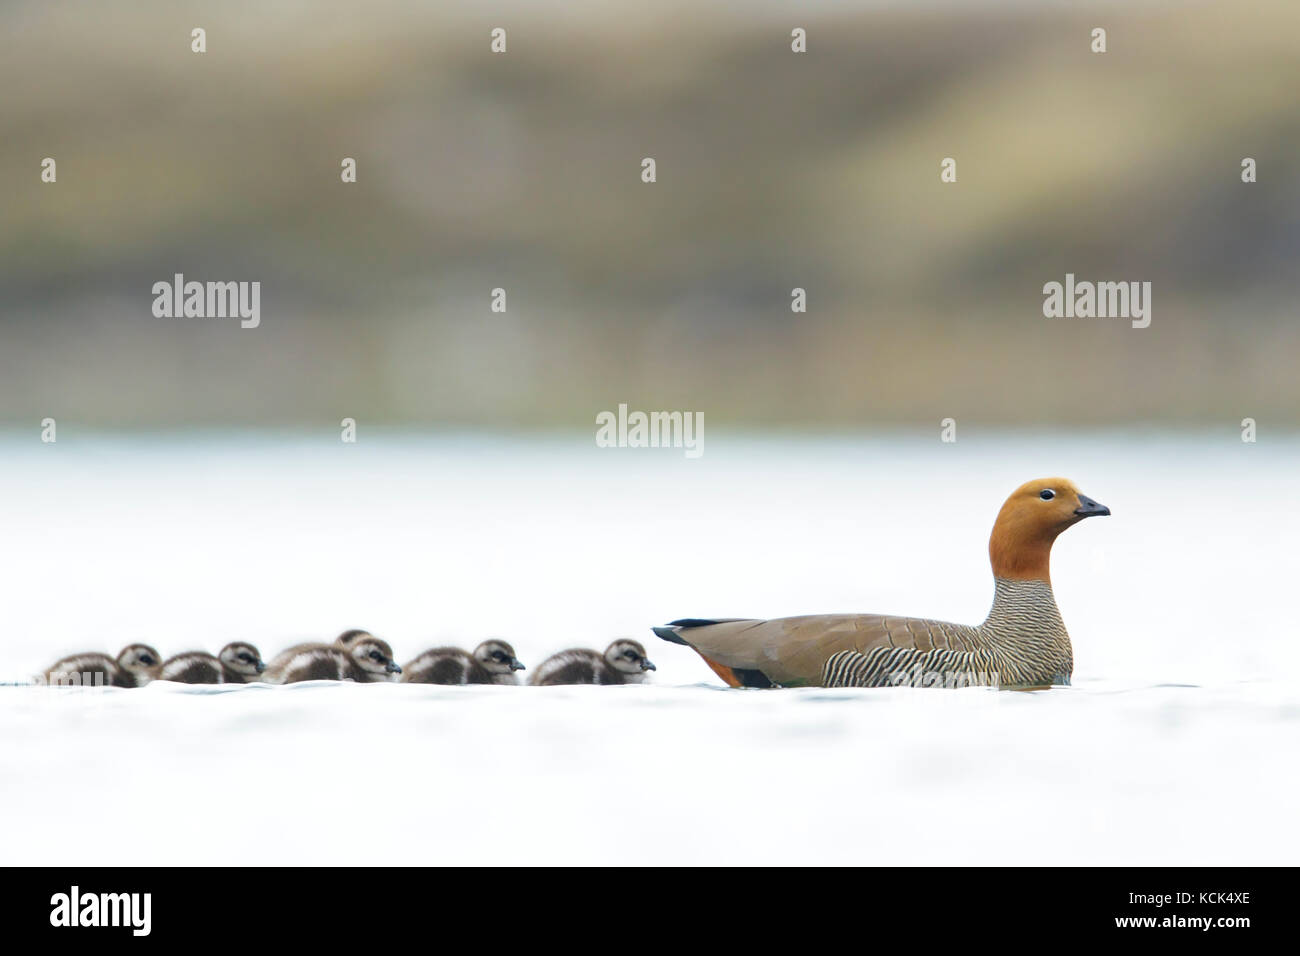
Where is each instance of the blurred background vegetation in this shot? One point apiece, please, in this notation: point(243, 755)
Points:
point(775, 170)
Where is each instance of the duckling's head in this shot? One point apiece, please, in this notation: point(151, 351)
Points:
point(628, 656)
point(1030, 520)
point(244, 659)
point(497, 657)
point(142, 661)
point(348, 638)
point(374, 657)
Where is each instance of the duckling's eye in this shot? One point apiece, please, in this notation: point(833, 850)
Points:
point(376, 656)
point(630, 655)
point(246, 658)
point(1047, 494)
point(146, 660)
point(498, 656)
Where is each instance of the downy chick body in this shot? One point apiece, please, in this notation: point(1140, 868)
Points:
point(492, 662)
point(238, 663)
point(624, 662)
point(365, 660)
point(134, 666)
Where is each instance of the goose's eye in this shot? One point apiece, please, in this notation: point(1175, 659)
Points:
point(376, 656)
point(1047, 494)
point(146, 660)
point(246, 658)
point(498, 656)
point(630, 655)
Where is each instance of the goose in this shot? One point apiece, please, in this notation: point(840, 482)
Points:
point(493, 662)
point(624, 662)
point(1022, 644)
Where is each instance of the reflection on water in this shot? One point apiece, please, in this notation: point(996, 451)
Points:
point(1102, 772)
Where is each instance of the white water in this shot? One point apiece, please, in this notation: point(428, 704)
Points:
point(1175, 745)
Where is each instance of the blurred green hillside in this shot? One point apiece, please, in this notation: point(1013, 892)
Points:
point(775, 170)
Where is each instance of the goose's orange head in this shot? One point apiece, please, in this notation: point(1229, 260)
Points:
point(1029, 522)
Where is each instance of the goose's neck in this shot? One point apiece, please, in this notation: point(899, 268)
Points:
point(1025, 630)
point(1020, 601)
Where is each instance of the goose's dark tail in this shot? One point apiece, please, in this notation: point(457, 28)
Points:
point(732, 676)
point(668, 634)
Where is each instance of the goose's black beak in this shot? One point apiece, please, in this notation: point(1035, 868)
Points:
point(516, 664)
point(647, 665)
point(392, 667)
point(1089, 508)
point(261, 666)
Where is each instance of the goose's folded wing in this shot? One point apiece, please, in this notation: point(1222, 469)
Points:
point(796, 648)
point(907, 667)
point(793, 651)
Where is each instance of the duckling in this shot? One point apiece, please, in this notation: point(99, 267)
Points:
point(348, 638)
point(493, 662)
point(624, 662)
point(238, 663)
point(365, 660)
point(344, 640)
point(135, 666)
